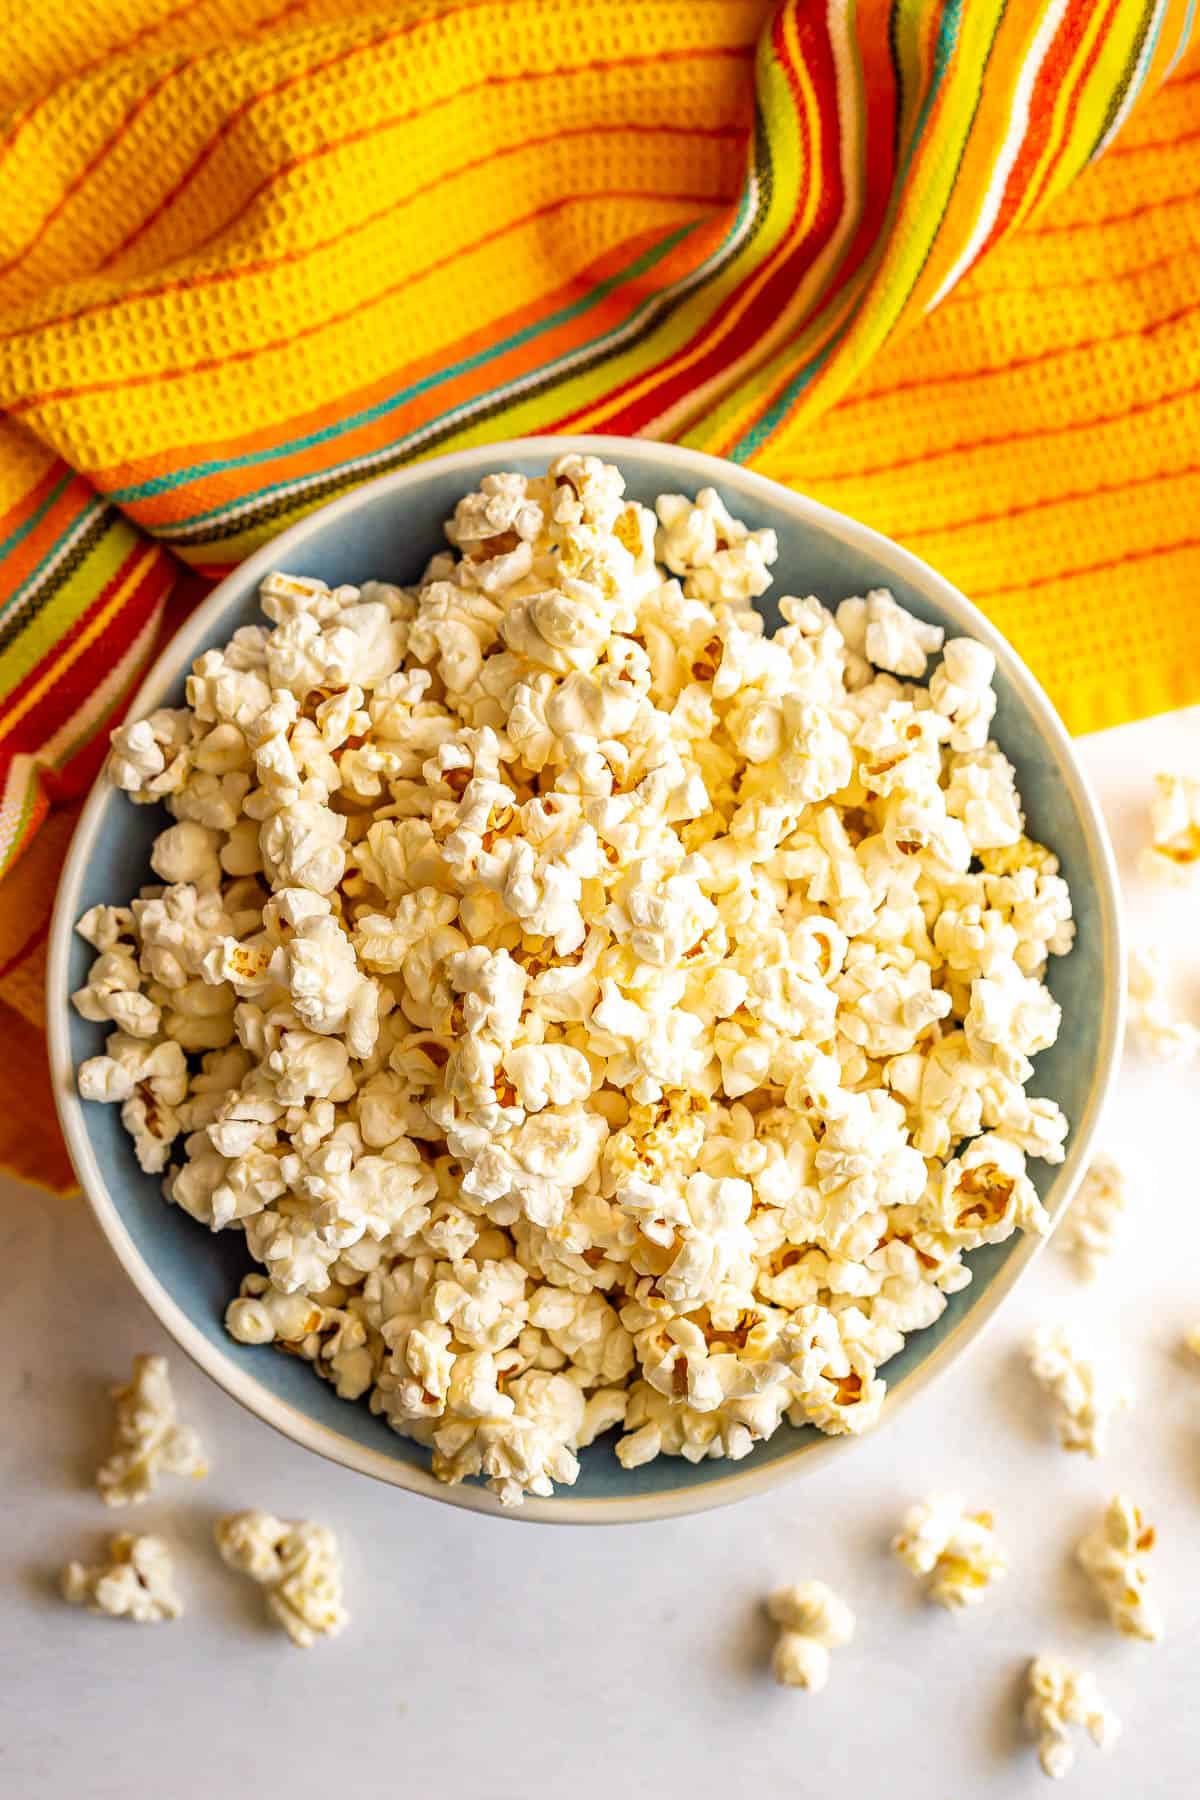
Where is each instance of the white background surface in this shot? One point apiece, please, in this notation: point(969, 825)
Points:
point(490, 1659)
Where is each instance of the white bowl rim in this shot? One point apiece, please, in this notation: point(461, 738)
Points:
point(696, 468)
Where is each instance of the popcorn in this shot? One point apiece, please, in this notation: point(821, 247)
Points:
point(299, 1565)
point(137, 1582)
point(1151, 1022)
point(590, 1010)
point(1174, 847)
point(959, 1549)
point(148, 1440)
point(1112, 1554)
point(812, 1620)
point(1060, 1696)
point(1083, 1399)
point(1096, 1221)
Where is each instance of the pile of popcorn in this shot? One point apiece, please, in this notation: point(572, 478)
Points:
point(593, 1011)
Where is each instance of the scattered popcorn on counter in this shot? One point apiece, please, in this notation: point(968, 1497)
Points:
point(137, 1582)
point(1151, 1021)
point(298, 1564)
point(148, 1440)
point(1084, 1400)
point(1061, 1696)
point(595, 1013)
point(812, 1621)
point(1113, 1554)
point(1097, 1217)
point(1174, 848)
point(959, 1549)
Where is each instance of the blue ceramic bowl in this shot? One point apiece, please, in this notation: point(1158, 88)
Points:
point(387, 530)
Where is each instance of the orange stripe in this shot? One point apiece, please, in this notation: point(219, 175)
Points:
point(216, 277)
point(36, 936)
point(31, 694)
point(981, 293)
point(24, 559)
point(964, 445)
point(304, 75)
point(293, 337)
point(1090, 493)
point(72, 188)
point(1096, 568)
point(98, 62)
point(953, 377)
point(366, 132)
point(1135, 212)
point(30, 501)
point(311, 458)
point(1122, 149)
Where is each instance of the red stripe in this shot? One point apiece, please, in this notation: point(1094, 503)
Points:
point(75, 685)
point(1089, 493)
point(254, 350)
point(1076, 101)
point(794, 253)
point(303, 75)
point(1135, 212)
point(216, 277)
point(976, 293)
point(964, 446)
point(21, 119)
point(952, 378)
point(40, 931)
point(78, 626)
point(29, 503)
point(1096, 568)
point(72, 188)
point(1040, 120)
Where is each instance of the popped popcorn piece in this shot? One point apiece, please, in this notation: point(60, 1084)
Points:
point(959, 1549)
point(1097, 1217)
point(1113, 1555)
point(1152, 1022)
point(148, 1440)
point(812, 1620)
point(1060, 1696)
point(136, 1582)
point(1084, 1399)
point(299, 1565)
point(590, 1010)
point(1192, 1340)
point(1174, 847)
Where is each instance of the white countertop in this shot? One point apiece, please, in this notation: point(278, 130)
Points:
point(485, 1659)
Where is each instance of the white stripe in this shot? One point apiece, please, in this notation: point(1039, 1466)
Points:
point(38, 580)
point(98, 700)
point(659, 302)
point(1005, 162)
point(1184, 35)
point(1136, 80)
point(851, 151)
point(12, 804)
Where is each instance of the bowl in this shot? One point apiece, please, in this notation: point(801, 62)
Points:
point(387, 529)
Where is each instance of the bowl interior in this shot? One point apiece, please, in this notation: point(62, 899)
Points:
point(389, 536)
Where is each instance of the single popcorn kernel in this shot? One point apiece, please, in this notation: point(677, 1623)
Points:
point(137, 1582)
point(1097, 1217)
point(1084, 1399)
point(813, 1620)
point(298, 1564)
point(591, 1012)
point(959, 1550)
point(1174, 848)
point(1060, 1696)
point(1113, 1554)
point(148, 1440)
